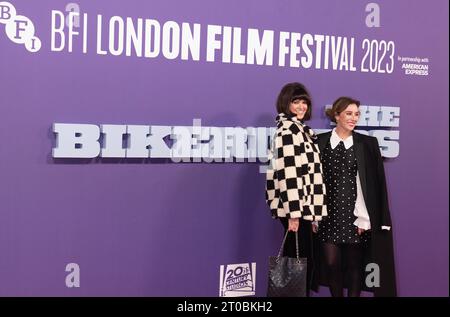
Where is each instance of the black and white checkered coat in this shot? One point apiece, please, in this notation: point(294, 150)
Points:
point(294, 179)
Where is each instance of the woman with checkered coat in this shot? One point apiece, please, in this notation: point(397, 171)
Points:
point(295, 190)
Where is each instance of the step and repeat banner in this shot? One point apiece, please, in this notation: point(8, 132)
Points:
point(135, 136)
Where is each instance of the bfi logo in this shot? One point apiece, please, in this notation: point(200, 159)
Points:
point(19, 28)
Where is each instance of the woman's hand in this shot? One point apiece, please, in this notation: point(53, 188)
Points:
point(315, 228)
point(293, 224)
point(360, 231)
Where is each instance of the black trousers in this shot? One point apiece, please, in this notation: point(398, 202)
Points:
point(305, 246)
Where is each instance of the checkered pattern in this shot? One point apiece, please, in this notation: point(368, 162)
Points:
point(294, 181)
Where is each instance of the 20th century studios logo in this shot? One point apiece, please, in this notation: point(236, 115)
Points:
point(237, 280)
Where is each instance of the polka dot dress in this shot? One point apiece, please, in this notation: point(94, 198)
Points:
point(340, 168)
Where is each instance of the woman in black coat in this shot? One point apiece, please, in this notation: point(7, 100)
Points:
point(353, 245)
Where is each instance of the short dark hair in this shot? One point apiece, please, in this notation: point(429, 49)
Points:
point(340, 105)
point(291, 92)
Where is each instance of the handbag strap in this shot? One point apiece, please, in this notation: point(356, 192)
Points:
point(280, 253)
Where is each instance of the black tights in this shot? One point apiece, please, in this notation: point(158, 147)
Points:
point(352, 254)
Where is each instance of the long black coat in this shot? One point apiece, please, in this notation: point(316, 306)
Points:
point(373, 183)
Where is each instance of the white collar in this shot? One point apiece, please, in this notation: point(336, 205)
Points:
point(335, 139)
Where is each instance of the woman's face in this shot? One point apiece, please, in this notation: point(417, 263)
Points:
point(299, 108)
point(348, 118)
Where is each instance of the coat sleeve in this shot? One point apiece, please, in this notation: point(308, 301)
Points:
point(272, 190)
point(289, 172)
point(384, 204)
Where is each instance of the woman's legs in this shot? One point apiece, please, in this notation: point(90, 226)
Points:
point(332, 256)
point(352, 254)
point(354, 258)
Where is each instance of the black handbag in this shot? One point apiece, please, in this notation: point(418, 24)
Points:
point(287, 276)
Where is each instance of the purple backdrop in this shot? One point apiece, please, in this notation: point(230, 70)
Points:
point(146, 228)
